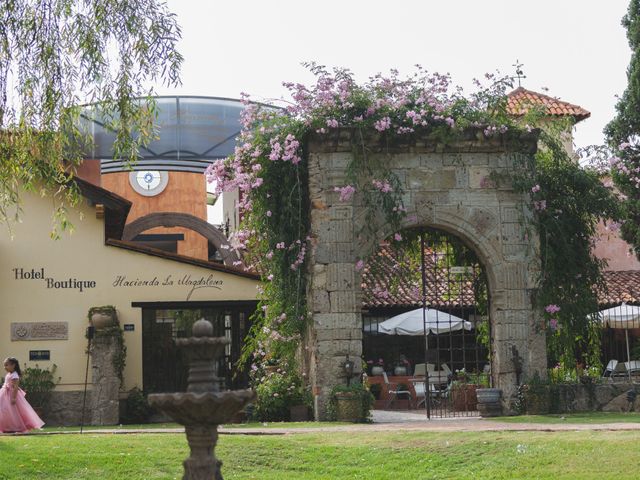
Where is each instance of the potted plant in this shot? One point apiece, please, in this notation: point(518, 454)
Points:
point(376, 366)
point(103, 317)
point(402, 366)
point(350, 403)
point(463, 393)
point(38, 383)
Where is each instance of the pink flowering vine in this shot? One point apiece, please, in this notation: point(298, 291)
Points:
point(552, 308)
point(346, 192)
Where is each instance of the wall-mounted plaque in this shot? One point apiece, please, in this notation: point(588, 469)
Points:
point(129, 327)
point(39, 331)
point(39, 355)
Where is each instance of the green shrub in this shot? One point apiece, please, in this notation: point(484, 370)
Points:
point(38, 383)
point(376, 390)
point(137, 408)
point(276, 394)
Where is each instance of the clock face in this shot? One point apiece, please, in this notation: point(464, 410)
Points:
point(148, 182)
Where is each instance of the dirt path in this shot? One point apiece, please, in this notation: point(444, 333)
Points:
point(385, 421)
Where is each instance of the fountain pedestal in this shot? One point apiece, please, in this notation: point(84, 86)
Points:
point(203, 406)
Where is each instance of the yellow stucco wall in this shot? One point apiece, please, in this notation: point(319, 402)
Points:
point(82, 255)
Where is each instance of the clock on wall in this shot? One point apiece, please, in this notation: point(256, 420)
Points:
point(149, 182)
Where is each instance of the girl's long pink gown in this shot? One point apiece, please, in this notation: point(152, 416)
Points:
point(18, 417)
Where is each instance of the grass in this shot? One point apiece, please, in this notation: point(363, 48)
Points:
point(336, 455)
point(588, 418)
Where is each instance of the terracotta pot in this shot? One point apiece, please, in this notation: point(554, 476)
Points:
point(102, 320)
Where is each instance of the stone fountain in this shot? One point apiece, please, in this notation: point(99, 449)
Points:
point(203, 406)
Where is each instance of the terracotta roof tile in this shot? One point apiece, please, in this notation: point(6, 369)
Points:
point(622, 286)
point(388, 283)
point(520, 100)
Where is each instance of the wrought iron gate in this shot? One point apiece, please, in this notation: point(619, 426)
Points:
point(443, 364)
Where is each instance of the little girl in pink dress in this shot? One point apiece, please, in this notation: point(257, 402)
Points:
point(16, 415)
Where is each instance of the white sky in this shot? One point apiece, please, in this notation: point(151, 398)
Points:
point(575, 48)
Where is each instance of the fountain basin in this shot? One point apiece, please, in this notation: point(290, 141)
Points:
point(201, 408)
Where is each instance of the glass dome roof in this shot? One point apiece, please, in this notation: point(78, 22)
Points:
point(192, 132)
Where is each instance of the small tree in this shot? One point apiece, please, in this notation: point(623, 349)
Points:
point(56, 55)
point(623, 134)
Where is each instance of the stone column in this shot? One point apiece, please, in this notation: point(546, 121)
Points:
point(334, 296)
point(104, 401)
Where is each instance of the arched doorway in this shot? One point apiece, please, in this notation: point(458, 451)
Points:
point(443, 349)
point(445, 186)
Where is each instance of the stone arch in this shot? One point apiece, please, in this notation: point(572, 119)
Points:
point(445, 187)
point(185, 220)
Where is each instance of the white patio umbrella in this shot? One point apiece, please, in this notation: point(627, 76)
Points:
point(623, 316)
point(411, 323)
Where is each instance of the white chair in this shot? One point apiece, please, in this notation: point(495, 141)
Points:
point(633, 367)
point(393, 391)
point(610, 368)
point(615, 369)
point(419, 388)
point(420, 370)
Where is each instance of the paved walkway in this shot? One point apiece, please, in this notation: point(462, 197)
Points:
point(388, 421)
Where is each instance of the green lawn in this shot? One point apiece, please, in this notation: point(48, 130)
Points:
point(590, 417)
point(335, 455)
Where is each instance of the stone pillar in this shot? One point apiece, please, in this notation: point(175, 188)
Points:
point(103, 403)
point(334, 294)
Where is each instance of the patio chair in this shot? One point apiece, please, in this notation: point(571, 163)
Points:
point(610, 368)
point(393, 390)
point(615, 369)
point(633, 367)
point(419, 388)
point(420, 371)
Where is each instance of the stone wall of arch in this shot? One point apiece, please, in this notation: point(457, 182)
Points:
point(461, 188)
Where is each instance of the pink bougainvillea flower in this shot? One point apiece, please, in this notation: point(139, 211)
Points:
point(382, 124)
point(359, 265)
point(397, 237)
point(540, 205)
point(346, 192)
point(535, 188)
point(552, 308)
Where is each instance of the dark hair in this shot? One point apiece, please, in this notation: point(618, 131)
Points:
point(14, 361)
